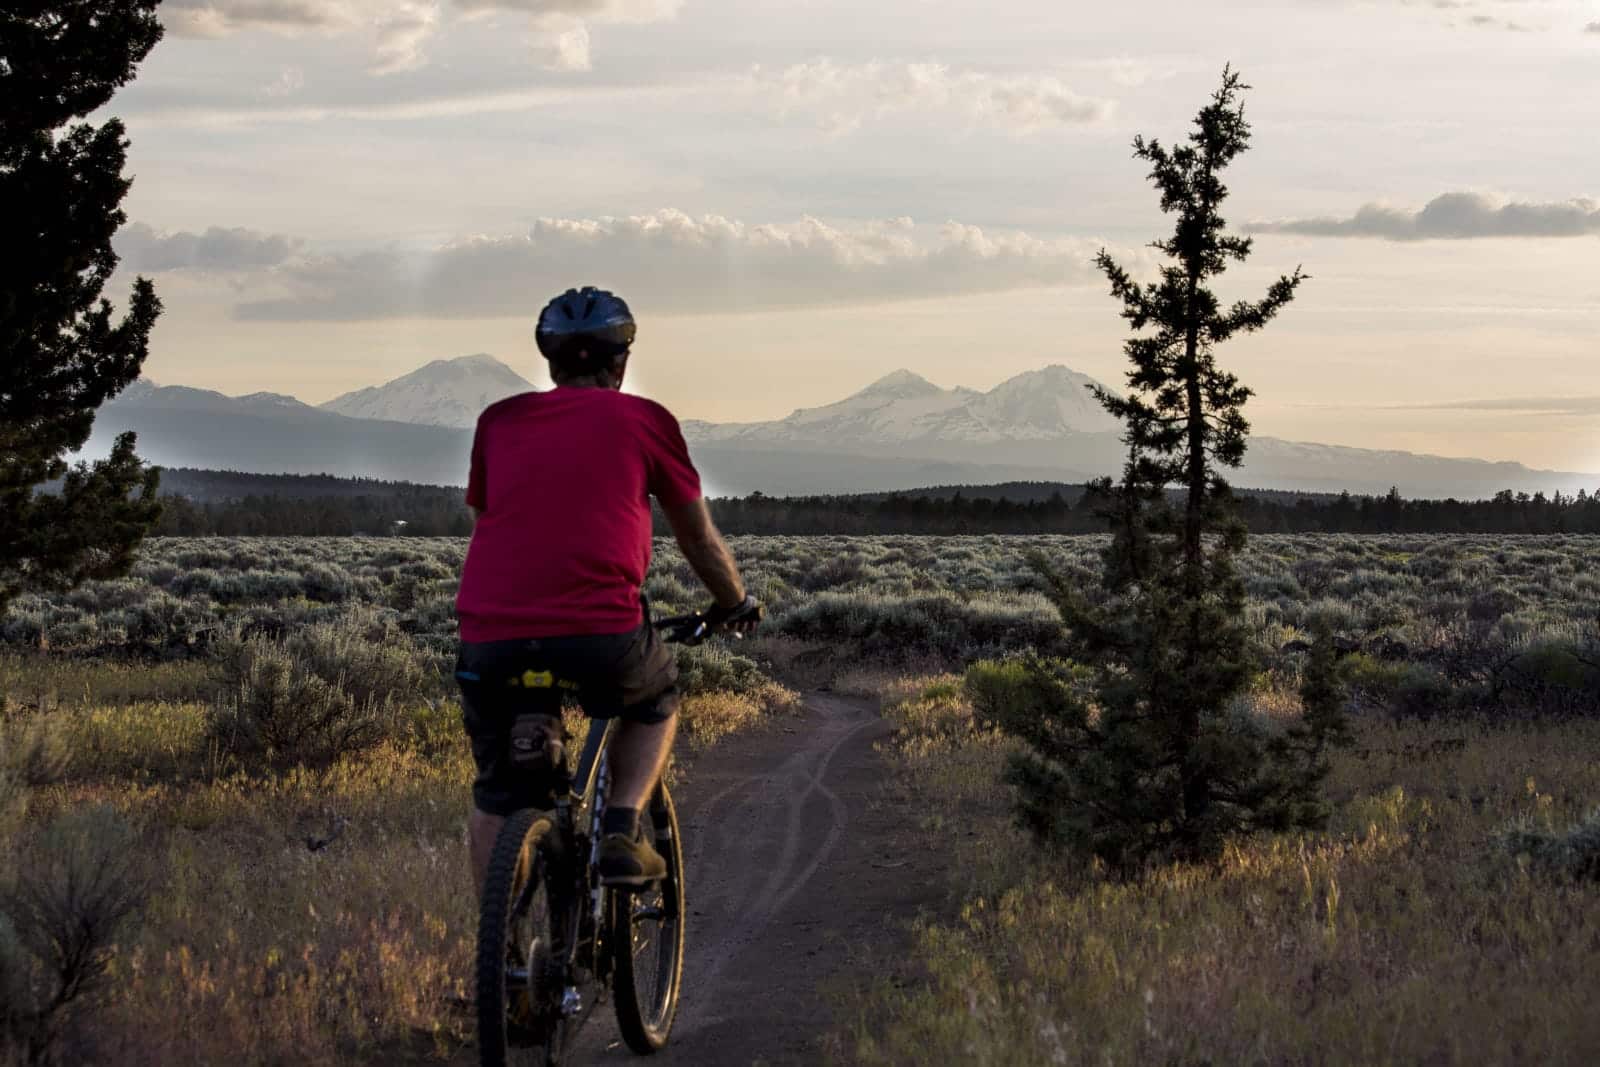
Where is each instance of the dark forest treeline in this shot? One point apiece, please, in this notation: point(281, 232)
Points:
point(967, 511)
point(259, 505)
point(424, 511)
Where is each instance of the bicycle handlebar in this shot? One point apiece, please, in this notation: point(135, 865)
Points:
point(684, 629)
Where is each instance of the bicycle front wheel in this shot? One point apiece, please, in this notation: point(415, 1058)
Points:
point(647, 941)
point(519, 960)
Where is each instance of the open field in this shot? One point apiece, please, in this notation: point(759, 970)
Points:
point(272, 725)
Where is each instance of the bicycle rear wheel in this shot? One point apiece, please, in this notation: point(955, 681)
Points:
point(519, 962)
point(647, 941)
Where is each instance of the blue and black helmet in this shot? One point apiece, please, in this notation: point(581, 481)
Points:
point(584, 323)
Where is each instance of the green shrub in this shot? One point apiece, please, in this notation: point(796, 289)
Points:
point(318, 693)
point(325, 583)
point(940, 625)
point(1570, 853)
point(713, 669)
point(1004, 691)
point(1492, 604)
point(1556, 677)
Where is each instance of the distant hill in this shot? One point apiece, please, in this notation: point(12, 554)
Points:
point(900, 433)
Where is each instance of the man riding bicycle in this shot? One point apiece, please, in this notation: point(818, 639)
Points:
point(551, 590)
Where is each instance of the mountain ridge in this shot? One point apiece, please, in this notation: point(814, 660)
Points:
point(900, 432)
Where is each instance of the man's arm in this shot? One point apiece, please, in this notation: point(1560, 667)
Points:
point(706, 552)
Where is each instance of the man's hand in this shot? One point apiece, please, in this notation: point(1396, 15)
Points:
point(741, 619)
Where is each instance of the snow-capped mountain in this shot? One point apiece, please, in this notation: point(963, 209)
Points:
point(905, 408)
point(901, 432)
point(446, 392)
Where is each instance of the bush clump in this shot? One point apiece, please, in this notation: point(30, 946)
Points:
point(938, 625)
point(713, 669)
point(35, 748)
point(60, 919)
point(318, 693)
point(1571, 853)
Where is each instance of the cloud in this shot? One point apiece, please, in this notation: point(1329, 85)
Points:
point(841, 97)
point(218, 18)
point(290, 80)
point(1487, 14)
point(634, 11)
point(1453, 216)
point(1593, 27)
point(1492, 23)
point(401, 34)
point(673, 262)
point(402, 28)
point(566, 49)
point(1525, 405)
point(217, 250)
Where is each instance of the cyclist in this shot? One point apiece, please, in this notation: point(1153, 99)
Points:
point(551, 588)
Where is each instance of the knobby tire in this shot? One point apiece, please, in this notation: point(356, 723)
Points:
point(646, 1025)
point(520, 866)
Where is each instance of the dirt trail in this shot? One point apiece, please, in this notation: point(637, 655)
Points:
point(798, 875)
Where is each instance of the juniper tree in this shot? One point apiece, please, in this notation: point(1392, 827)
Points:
point(1151, 759)
point(63, 350)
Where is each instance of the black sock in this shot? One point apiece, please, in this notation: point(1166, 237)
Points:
point(620, 821)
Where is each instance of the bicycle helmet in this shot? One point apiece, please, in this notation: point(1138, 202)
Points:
point(584, 324)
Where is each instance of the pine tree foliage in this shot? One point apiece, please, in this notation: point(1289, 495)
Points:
point(63, 349)
point(1154, 758)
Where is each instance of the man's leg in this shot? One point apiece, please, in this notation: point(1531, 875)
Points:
point(638, 756)
point(482, 829)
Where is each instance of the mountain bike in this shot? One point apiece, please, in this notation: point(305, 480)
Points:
point(553, 942)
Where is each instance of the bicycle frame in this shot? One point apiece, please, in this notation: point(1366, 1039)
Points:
point(580, 804)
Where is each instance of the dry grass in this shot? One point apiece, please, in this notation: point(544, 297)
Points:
point(708, 717)
point(307, 916)
point(1405, 934)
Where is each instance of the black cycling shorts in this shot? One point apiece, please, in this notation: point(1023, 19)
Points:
point(632, 676)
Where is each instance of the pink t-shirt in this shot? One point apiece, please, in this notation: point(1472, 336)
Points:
point(563, 481)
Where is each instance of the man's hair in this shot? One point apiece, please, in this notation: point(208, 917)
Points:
point(597, 366)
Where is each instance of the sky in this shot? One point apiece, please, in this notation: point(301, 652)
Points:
point(798, 198)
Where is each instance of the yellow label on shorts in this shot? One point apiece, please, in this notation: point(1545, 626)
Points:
point(538, 679)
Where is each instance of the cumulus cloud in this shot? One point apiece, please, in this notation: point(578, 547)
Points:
point(402, 28)
point(841, 97)
point(563, 49)
point(1593, 27)
point(402, 32)
point(673, 262)
point(1453, 216)
point(217, 250)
